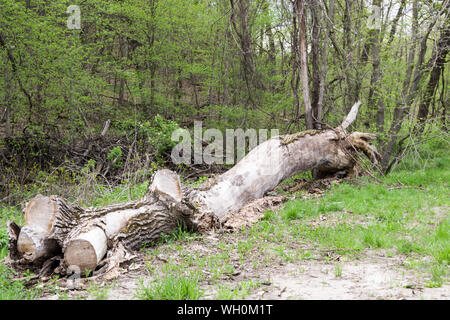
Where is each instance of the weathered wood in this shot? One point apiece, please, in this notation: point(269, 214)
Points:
point(33, 243)
point(140, 223)
point(88, 236)
point(86, 250)
point(351, 116)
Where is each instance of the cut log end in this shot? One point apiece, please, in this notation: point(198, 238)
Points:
point(26, 244)
point(34, 245)
point(32, 242)
point(40, 211)
point(166, 183)
point(86, 251)
point(81, 253)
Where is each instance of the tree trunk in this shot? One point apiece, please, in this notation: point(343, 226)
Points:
point(303, 63)
point(375, 98)
point(400, 110)
point(410, 85)
point(438, 61)
point(317, 68)
point(319, 74)
point(86, 235)
point(395, 21)
point(294, 64)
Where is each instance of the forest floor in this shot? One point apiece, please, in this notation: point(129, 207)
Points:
point(364, 240)
point(374, 274)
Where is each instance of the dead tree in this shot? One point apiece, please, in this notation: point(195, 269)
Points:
point(94, 238)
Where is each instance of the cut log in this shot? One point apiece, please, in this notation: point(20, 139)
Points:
point(33, 243)
point(86, 235)
point(86, 250)
point(142, 222)
point(270, 163)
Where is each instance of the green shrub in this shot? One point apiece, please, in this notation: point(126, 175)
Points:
point(159, 134)
point(115, 155)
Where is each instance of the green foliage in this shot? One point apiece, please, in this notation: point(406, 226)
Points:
point(89, 167)
point(159, 134)
point(3, 243)
point(428, 151)
point(115, 155)
point(14, 289)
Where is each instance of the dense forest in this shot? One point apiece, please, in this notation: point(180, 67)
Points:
point(355, 95)
point(104, 96)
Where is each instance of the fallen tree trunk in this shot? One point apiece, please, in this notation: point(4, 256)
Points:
point(86, 235)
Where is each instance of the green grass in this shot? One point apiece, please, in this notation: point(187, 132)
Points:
point(180, 234)
point(242, 290)
point(170, 287)
point(13, 214)
point(3, 243)
point(121, 193)
point(99, 293)
point(338, 270)
point(394, 214)
point(14, 289)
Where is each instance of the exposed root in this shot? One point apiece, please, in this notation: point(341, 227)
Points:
point(360, 141)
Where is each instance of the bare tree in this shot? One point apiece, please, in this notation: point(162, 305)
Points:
point(303, 63)
point(438, 60)
point(400, 110)
point(375, 101)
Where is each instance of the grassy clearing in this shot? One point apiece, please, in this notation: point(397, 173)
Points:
point(407, 213)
